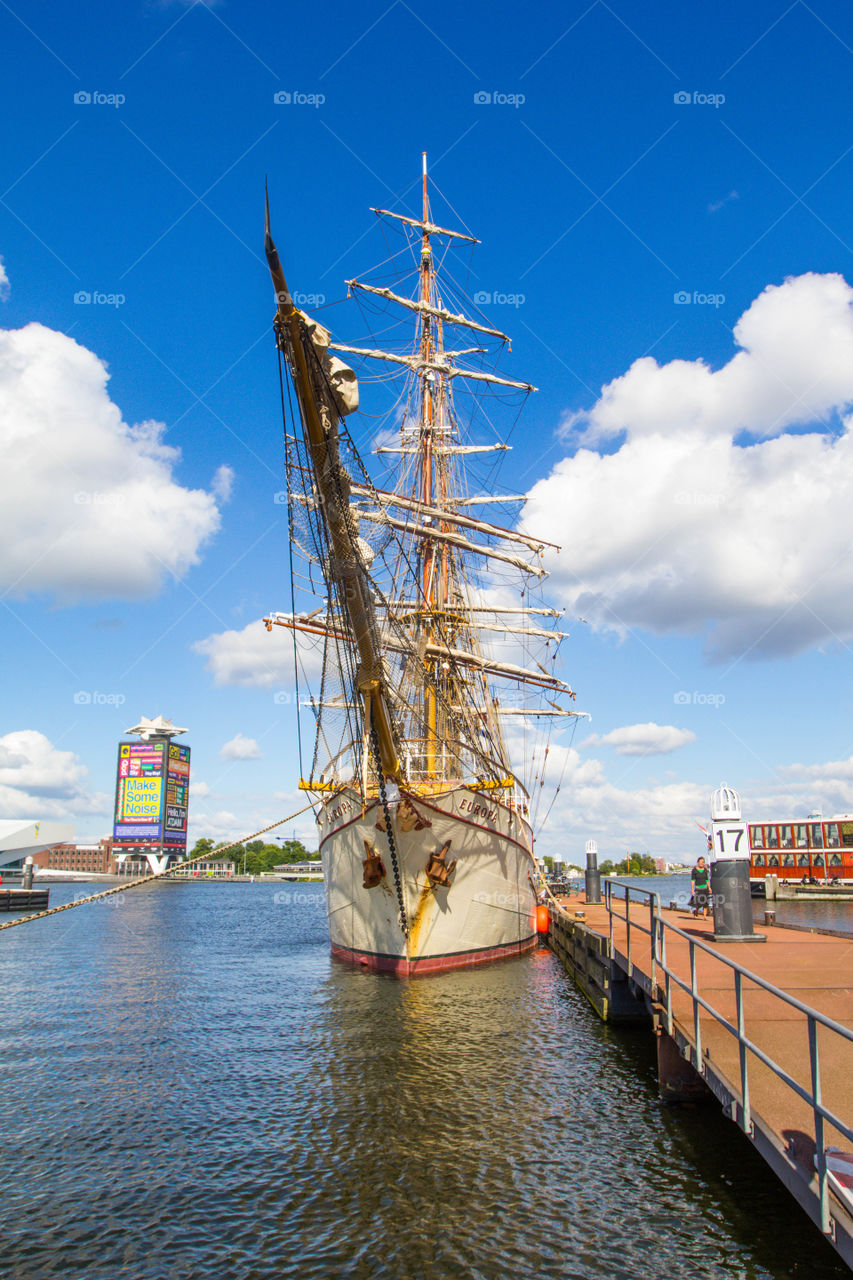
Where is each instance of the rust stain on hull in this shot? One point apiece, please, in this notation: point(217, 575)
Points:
point(418, 917)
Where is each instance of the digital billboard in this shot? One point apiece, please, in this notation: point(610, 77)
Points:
point(152, 794)
point(177, 797)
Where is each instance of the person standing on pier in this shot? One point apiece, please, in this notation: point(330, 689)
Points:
point(700, 887)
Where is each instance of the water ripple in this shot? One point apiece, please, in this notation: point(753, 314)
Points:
point(200, 1091)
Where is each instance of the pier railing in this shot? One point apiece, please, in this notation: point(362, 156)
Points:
point(616, 891)
point(658, 930)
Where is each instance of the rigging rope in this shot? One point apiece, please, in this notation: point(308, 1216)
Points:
point(290, 524)
point(158, 875)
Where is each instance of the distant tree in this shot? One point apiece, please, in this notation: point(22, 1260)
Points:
point(291, 851)
point(607, 868)
point(549, 864)
point(257, 856)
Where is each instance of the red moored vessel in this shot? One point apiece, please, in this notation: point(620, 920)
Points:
point(815, 849)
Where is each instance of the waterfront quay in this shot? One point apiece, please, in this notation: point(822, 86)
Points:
point(24, 899)
point(203, 1091)
point(764, 1031)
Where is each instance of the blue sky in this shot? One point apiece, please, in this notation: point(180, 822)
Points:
point(600, 197)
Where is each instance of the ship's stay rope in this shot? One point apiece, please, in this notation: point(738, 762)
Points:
point(158, 875)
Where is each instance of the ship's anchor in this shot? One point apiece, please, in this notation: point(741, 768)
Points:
point(374, 868)
point(438, 870)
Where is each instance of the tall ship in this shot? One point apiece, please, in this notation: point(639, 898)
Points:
point(435, 692)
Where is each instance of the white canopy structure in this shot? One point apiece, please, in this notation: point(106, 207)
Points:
point(22, 836)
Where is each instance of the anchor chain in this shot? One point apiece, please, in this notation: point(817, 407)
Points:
point(392, 848)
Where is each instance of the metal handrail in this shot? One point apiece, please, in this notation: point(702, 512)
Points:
point(654, 913)
point(746, 1046)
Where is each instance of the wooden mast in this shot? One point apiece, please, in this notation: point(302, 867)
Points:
point(319, 419)
point(444, 706)
point(426, 494)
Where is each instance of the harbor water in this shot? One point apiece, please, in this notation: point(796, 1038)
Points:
point(804, 913)
point(193, 1088)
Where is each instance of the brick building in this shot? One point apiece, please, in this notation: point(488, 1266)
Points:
point(78, 857)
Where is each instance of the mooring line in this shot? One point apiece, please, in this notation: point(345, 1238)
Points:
point(158, 875)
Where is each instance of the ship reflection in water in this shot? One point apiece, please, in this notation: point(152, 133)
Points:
point(201, 1090)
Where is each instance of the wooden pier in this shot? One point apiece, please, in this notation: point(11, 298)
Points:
point(23, 899)
point(765, 1030)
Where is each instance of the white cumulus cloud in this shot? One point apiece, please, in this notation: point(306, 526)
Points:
point(727, 507)
point(223, 483)
point(38, 780)
point(256, 658)
point(240, 748)
point(643, 739)
point(220, 826)
point(76, 475)
point(4, 282)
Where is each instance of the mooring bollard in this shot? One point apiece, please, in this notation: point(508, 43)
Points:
point(729, 846)
point(28, 872)
point(593, 875)
point(769, 917)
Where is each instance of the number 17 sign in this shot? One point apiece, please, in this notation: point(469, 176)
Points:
point(730, 840)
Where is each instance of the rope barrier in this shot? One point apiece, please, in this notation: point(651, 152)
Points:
point(158, 875)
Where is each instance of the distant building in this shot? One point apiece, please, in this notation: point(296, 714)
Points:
point(661, 866)
point(298, 870)
point(210, 867)
point(96, 858)
point(25, 837)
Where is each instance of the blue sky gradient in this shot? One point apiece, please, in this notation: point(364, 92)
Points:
point(598, 196)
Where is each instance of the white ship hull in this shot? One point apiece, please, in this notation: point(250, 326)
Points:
point(486, 913)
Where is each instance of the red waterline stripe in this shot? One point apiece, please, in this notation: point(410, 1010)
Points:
point(404, 968)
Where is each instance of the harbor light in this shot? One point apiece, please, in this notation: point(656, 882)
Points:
point(725, 803)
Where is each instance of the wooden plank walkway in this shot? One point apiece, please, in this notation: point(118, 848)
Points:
point(816, 969)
